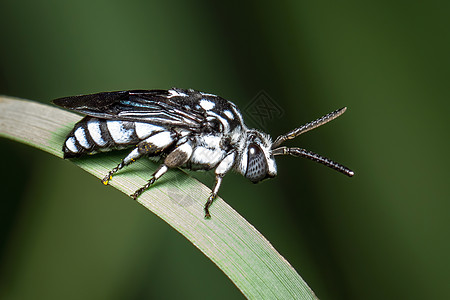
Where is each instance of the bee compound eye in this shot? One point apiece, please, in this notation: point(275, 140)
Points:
point(256, 164)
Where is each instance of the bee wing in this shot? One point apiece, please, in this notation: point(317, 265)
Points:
point(150, 106)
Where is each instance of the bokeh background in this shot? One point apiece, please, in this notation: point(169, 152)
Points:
point(383, 234)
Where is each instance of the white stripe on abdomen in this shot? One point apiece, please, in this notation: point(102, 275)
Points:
point(95, 131)
point(119, 133)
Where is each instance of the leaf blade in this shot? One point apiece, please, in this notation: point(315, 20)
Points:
point(232, 243)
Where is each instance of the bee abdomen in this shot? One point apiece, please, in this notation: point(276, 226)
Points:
point(92, 134)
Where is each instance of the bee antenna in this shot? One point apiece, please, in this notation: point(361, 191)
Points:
point(299, 152)
point(307, 127)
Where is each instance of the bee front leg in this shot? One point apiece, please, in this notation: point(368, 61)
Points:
point(224, 166)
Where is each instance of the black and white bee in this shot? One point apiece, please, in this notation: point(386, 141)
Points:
point(186, 129)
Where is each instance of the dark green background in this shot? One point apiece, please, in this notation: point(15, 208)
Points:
point(383, 234)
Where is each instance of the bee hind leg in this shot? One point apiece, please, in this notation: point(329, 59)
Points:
point(130, 158)
point(143, 148)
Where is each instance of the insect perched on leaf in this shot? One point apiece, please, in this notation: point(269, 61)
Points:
point(186, 129)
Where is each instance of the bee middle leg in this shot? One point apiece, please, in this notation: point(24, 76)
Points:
point(131, 157)
point(174, 159)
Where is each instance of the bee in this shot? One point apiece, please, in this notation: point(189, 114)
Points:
point(185, 129)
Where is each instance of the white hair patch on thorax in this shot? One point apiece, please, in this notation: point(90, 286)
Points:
point(211, 141)
point(207, 104)
point(229, 114)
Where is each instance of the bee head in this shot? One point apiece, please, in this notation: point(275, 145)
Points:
point(257, 162)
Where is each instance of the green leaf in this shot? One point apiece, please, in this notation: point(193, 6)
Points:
point(232, 243)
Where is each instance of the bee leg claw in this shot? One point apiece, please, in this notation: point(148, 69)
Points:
point(107, 178)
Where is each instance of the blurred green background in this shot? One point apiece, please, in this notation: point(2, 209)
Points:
point(383, 234)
